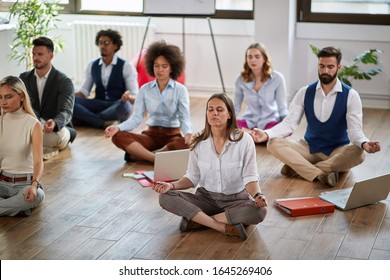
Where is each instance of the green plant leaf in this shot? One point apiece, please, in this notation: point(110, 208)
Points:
point(34, 18)
point(353, 72)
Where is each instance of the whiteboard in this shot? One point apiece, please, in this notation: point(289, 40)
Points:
point(179, 7)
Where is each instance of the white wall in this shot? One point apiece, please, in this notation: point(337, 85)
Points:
point(274, 25)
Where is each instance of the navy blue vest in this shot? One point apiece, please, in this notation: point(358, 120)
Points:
point(327, 136)
point(116, 83)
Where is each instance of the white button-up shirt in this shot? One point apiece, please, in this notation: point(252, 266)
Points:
point(323, 107)
point(41, 82)
point(129, 75)
point(227, 173)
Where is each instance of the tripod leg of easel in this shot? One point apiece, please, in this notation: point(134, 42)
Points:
point(143, 42)
point(216, 55)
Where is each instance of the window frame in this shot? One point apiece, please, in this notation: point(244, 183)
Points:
point(221, 14)
point(304, 14)
point(74, 8)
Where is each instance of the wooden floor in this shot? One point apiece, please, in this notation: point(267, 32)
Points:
point(90, 212)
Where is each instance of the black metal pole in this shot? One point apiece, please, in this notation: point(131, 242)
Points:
point(216, 55)
point(143, 42)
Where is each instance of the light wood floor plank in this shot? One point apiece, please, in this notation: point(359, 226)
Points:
point(91, 212)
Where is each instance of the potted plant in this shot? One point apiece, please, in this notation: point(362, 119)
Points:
point(353, 71)
point(34, 18)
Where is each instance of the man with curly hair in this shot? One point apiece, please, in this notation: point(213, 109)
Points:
point(115, 83)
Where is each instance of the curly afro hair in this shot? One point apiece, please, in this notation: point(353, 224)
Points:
point(171, 53)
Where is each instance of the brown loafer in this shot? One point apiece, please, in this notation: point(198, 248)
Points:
point(289, 172)
point(329, 179)
point(236, 231)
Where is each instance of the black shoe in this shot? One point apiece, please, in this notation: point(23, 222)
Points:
point(127, 157)
point(73, 133)
point(24, 213)
point(187, 225)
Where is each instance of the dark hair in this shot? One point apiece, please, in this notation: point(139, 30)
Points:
point(114, 35)
point(233, 133)
point(44, 41)
point(329, 52)
point(246, 74)
point(171, 53)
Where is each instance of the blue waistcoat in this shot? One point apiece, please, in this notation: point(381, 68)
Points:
point(116, 83)
point(326, 136)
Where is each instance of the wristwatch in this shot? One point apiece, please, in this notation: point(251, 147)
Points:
point(257, 195)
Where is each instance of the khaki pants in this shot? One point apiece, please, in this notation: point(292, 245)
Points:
point(58, 140)
point(296, 154)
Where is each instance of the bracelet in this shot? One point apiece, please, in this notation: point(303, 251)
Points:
point(361, 146)
point(257, 195)
point(173, 186)
point(39, 185)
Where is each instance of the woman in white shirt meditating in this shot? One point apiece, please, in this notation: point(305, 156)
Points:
point(167, 104)
point(223, 166)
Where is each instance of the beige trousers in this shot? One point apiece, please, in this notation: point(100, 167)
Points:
point(58, 140)
point(296, 154)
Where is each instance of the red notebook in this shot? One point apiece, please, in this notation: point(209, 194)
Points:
point(303, 206)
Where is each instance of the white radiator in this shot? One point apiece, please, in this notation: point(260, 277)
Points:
point(84, 33)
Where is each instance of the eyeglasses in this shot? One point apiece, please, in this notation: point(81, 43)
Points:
point(105, 43)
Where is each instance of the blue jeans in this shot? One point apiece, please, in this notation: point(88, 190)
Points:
point(95, 112)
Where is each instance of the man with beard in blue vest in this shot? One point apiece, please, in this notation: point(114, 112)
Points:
point(334, 141)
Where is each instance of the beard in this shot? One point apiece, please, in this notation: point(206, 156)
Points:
point(39, 66)
point(327, 79)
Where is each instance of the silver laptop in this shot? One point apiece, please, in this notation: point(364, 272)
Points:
point(169, 166)
point(362, 193)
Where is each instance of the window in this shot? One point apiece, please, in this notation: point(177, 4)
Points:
point(241, 9)
point(345, 11)
point(69, 5)
point(236, 9)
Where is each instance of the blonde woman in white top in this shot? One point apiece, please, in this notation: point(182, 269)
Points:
point(21, 158)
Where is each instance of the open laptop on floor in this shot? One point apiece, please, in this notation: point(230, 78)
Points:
point(362, 193)
point(169, 166)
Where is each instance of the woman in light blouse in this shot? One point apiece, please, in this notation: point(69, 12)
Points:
point(262, 89)
point(167, 104)
point(223, 167)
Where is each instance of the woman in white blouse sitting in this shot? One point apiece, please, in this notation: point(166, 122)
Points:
point(223, 167)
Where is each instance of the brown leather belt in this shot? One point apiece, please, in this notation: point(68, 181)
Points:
point(12, 179)
point(162, 127)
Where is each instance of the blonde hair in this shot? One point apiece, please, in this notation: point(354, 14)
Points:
point(17, 85)
point(246, 74)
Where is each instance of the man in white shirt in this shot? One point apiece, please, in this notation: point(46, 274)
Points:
point(334, 141)
point(115, 81)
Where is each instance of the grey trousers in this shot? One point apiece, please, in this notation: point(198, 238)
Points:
point(239, 208)
point(296, 154)
point(12, 198)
